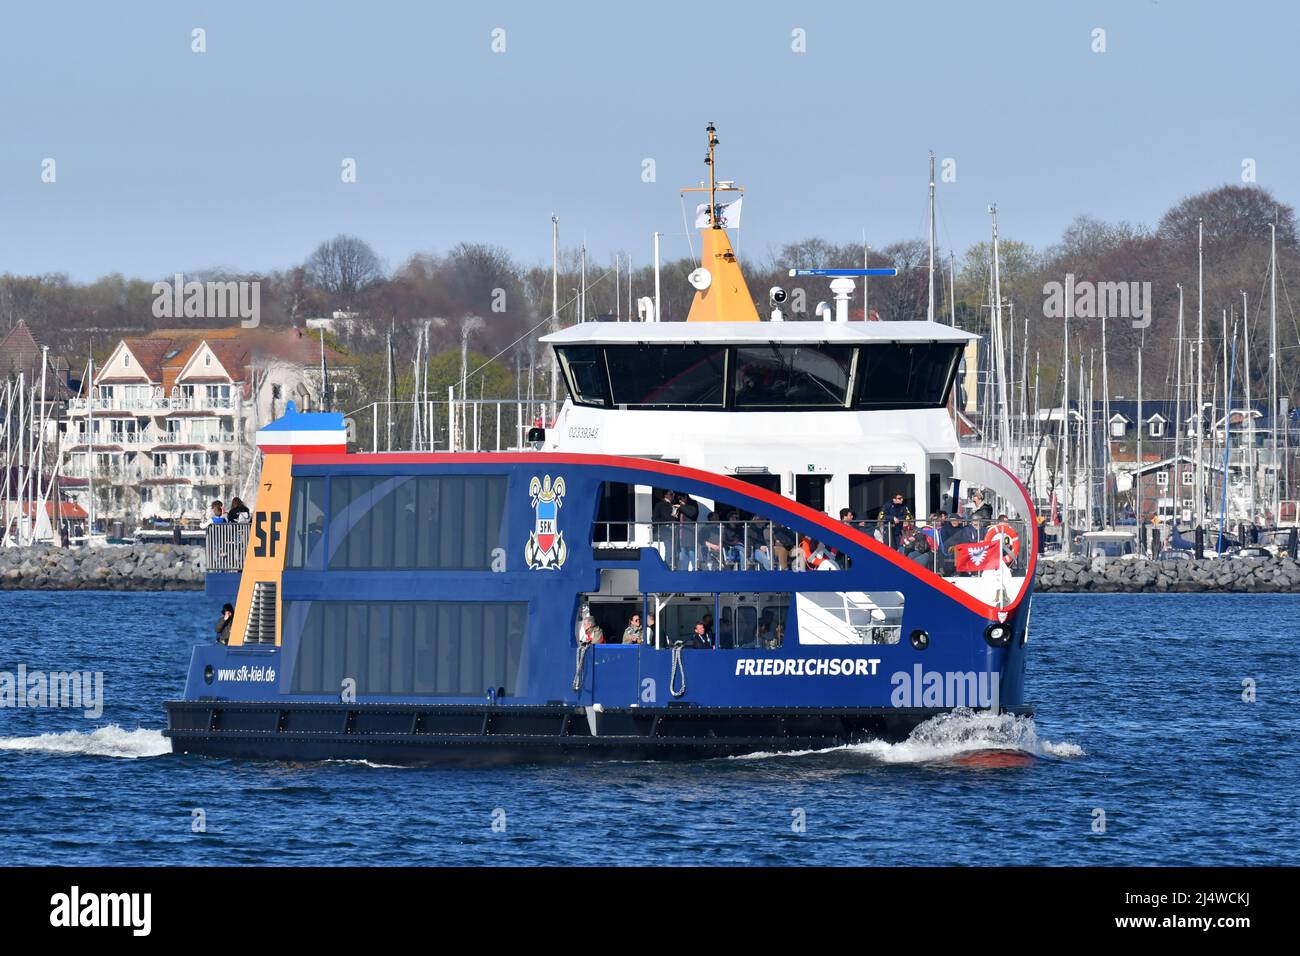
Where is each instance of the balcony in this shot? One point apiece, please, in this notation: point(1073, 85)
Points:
point(225, 545)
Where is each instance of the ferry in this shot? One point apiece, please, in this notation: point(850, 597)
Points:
point(714, 548)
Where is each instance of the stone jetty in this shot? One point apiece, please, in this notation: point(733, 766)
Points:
point(1131, 575)
point(162, 567)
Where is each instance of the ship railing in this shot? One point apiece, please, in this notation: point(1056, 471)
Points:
point(757, 545)
point(225, 544)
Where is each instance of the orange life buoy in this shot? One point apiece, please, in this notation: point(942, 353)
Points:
point(1009, 539)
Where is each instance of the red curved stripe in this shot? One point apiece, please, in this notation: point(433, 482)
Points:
point(681, 471)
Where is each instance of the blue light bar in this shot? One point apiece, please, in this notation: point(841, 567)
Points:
point(844, 272)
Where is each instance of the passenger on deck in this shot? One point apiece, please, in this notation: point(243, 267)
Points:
point(953, 533)
point(633, 634)
point(893, 515)
point(921, 552)
point(686, 514)
point(980, 508)
point(734, 541)
point(238, 511)
point(215, 516)
point(223, 625)
point(782, 545)
point(664, 517)
point(761, 533)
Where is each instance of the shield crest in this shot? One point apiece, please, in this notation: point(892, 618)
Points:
point(546, 549)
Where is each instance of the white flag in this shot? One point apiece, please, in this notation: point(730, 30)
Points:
point(728, 214)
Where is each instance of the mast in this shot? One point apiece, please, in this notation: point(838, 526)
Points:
point(929, 312)
point(1137, 473)
point(90, 446)
point(1200, 372)
point(1107, 517)
point(582, 297)
point(1250, 412)
point(40, 445)
point(1272, 365)
point(1000, 367)
point(658, 315)
point(1068, 545)
point(952, 292)
point(555, 305)
point(1227, 438)
point(1178, 394)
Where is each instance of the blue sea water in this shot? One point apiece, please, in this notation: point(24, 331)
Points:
point(1140, 717)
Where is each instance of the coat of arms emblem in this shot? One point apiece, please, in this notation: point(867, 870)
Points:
point(546, 549)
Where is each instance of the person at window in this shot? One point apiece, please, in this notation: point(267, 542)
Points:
point(633, 634)
point(726, 634)
point(892, 516)
point(650, 630)
point(223, 625)
point(215, 516)
point(238, 512)
point(777, 639)
point(701, 638)
point(707, 621)
point(591, 632)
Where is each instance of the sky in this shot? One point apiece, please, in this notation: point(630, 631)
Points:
point(167, 160)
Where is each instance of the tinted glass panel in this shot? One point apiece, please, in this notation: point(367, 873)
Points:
point(792, 376)
point(406, 523)
point(585, 367)
point(667, 375)
point(905, 374)
point(447, 648)
point(307, 524)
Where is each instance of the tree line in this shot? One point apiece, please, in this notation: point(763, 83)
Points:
point(438, 291)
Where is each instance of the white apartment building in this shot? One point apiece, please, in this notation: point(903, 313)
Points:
point(168, 425)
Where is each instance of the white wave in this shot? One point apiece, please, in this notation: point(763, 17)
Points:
point(963, 732)
point(951, 736)
point(109, 741)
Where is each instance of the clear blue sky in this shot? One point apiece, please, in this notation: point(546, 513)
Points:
point(173, 161)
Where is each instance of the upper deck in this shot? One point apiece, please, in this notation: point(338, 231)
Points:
point(759, 366)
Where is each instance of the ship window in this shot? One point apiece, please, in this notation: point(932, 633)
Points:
point(906, 374)
point(792, 376)
point(584, 367)
point(849, 617)
point(306, 521)
point(752, 621)
point(407, 523)
point(667, 375)
point(439, 648)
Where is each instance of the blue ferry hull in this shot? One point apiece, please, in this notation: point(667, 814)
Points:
point(241, 700)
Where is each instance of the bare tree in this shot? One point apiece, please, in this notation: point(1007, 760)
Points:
point(343, 267)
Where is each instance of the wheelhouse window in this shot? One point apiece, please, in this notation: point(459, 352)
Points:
point(792, 376)
point(906, 374)
point(584, 367)
point(306, 521)
point(667, 376)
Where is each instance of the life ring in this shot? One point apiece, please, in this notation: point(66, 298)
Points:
point(1010, 540)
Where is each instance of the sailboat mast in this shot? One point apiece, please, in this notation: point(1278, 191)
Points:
point(1000, 367)
point(929, 314)
point(1178, 393)
point(1068, 545)
point(555, 305)
point(1250, 412)
point(1200, 372)
point(1272, 365)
